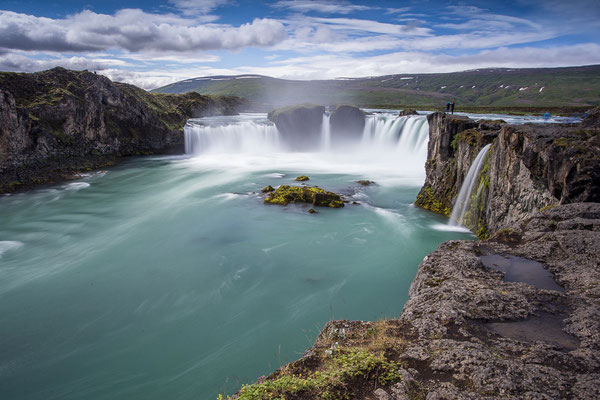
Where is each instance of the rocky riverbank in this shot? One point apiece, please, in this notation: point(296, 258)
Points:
point(56, 123)
point(516, 316)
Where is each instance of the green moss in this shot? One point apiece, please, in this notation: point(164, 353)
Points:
point(316, 196)
point(302, 178)
point(336, 379)
point(549, 207)
point(426, 199)
point(268, 189)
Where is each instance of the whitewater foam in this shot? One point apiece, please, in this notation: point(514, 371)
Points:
point(9, 245)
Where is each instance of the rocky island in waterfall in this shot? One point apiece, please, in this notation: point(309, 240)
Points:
point(306, 199)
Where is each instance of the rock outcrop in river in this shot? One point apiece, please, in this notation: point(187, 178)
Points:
point(299, 125)
point(347, 123)
point(58, 122)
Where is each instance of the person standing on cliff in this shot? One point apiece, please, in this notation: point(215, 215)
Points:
point(447, 106)
point(452, 107)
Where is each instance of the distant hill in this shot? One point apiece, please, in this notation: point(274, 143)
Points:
point(494, 87)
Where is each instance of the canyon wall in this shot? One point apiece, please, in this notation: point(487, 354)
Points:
point(528, 167)
point(58, 122)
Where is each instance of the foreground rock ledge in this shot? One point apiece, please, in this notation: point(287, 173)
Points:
point(443, 345)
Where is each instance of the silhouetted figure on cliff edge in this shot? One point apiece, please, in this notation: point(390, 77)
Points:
point(447, 106)
point(452, 107)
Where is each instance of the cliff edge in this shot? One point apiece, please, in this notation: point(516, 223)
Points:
point(58, 122)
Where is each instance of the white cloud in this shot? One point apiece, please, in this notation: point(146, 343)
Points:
point(320, 6)
point(198, 6)
point(132, 30)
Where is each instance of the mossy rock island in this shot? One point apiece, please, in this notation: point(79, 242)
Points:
point(316, 196)
point(302, 178)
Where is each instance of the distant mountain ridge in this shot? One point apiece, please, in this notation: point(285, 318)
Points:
point(496, 87)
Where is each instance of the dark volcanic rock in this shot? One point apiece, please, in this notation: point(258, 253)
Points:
point(592, 119)
point(58, 122)
point(347, 123)
point(408, 111)
point(527, 168)
point(300, 125)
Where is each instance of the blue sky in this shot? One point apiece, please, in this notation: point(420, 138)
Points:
point(153, 43)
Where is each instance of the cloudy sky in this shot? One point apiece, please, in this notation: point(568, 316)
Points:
point(153, 43)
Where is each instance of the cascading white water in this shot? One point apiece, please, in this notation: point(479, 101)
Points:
point(325, 133)
point(227, 135)
point(464, 196)
point(409, 134)
point(388, 142)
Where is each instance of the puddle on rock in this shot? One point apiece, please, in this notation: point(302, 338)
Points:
point(518, 269)
point(545, 328)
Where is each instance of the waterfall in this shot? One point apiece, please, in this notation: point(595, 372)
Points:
point(464, 196)
point(230, 135)
point(325, 133)
point(404, 138)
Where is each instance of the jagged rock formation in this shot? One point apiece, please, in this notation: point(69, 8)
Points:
point(347, 122)
point(299, 125)
point(528, 167)
point(58, 122)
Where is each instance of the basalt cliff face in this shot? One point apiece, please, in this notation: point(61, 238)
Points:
point(527, 168)
point(58, 122)
point(516, 316)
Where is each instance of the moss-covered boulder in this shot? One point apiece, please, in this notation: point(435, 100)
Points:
point(347, 123)
point(316, 196)
point(299, 126)
point(268, 189)
point(302, 178)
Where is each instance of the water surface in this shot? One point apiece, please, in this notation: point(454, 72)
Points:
point(169, 277)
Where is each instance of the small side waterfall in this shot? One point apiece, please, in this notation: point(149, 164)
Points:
point(325, 133)
point(464, 196)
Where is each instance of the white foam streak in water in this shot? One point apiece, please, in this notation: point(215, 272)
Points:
point(8, 245)
point(462, 201)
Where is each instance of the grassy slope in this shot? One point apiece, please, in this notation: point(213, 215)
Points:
point(574, 86)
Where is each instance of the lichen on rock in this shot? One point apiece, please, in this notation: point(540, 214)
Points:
point(316, 196)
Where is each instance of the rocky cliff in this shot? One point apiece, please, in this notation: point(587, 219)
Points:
point(527, 168)
point(516, 316)
point(58, 122)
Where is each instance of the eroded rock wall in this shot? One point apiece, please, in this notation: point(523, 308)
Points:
point(528, 167)
point(57, 122)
